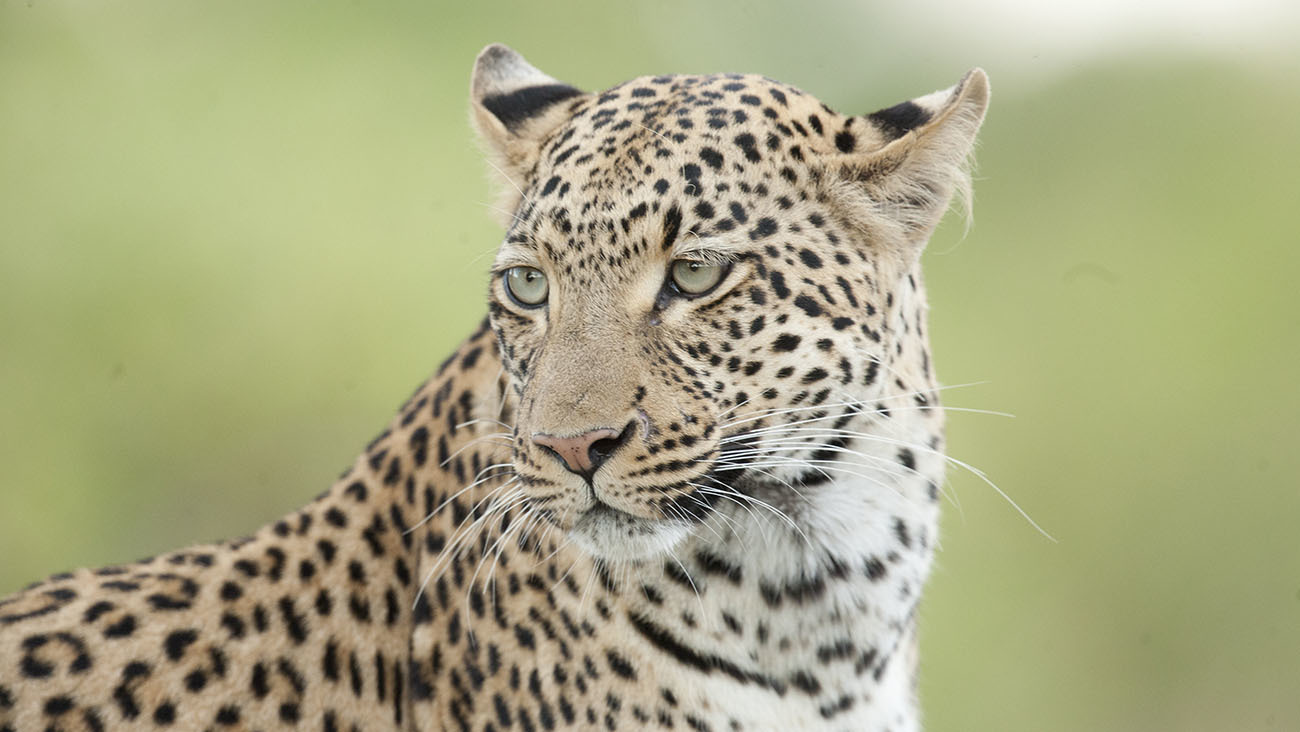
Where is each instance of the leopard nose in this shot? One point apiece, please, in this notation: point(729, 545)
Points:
point(585, 453)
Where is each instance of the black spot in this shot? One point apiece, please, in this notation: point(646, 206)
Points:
point(359, 606)
point(813, 376)
point(159, 601)
point(810, 259)
point(897, 120)
point(502, 710)
point(808, 305)
point(691, 172)
point(869, 377)
point(738, 212)
point(165, 714)
point(521, 105)
point(326, 549)
point(294, 623)
point(805, 682)
point(524, 636)
point(232, 623)
point(874, 569)
point(56, 705)
point(786, 342)
point(711, 157)
point(620, 665)
point(196, 680)
point(901, 532)
point(94, 612)
point(714, 564)
point(845, 141)
point(763, 228)
point(330, 661)
point(177, 641)
point(672, 225)
point(747, 144)
point(905, 456)
point(228, 715)
point(778, 285)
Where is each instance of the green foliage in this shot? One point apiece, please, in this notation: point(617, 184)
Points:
point(234, 237)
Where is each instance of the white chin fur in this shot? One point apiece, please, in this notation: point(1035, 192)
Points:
point(615, 536)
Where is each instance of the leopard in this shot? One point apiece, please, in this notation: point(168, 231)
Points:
point(685, 473)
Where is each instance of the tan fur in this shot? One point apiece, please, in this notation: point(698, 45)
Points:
point(742, 546)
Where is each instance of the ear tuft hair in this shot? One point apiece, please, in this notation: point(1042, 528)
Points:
point(901, 186)
point(515, 107)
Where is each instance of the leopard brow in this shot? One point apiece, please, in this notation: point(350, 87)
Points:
point(515, 257)
point(709, 251)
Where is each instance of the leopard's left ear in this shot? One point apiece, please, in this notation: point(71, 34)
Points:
point(911, 159)
point(514, 108)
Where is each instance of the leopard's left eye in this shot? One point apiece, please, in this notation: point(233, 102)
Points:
point(527, 286)
point(696, 278)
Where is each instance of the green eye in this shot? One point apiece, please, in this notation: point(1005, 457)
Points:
point(526, 285)
point(696, 278)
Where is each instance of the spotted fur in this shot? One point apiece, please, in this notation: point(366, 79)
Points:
point(628, 507)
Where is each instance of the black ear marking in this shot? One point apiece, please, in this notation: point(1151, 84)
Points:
point(899, 119)
point(521, 105)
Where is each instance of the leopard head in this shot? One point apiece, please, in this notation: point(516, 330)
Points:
point(708, 291)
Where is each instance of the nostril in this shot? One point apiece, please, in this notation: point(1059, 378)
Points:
point(600, 450)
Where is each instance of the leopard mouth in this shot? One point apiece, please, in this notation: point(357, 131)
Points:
point(611, 534)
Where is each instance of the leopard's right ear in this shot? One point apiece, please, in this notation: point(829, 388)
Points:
point(515, 106)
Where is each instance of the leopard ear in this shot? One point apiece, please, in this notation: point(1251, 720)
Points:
point(911, 159)
point(515, 106)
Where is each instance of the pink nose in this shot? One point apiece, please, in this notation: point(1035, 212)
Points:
point(582, 454)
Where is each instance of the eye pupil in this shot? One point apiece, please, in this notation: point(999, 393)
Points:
point(527, 286)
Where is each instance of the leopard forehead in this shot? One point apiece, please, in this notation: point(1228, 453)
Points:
point(659, 161)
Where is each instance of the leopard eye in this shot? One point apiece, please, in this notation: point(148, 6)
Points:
point(696, 278)
point(527, 286)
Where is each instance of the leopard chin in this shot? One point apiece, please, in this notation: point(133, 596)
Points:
point(612, 535)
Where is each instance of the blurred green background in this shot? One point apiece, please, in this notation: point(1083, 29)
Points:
point(234, 236)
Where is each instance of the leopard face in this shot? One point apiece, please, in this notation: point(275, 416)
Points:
point(708, 290)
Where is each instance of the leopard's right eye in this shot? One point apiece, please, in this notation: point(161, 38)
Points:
point(693, 278)
point(527, 286)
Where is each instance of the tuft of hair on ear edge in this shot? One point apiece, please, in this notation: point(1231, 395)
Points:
point(514, 107)
point(898, 192)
